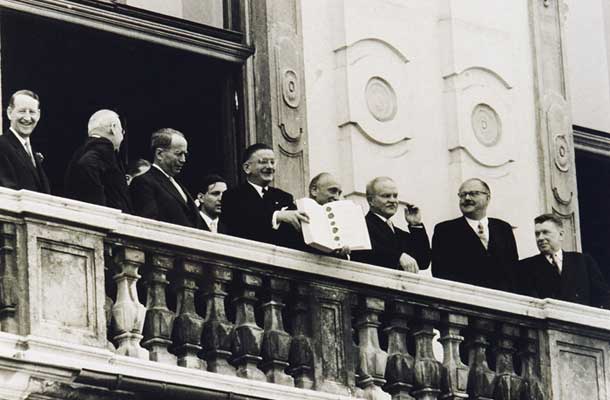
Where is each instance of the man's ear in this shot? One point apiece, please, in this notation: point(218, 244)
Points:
point(200, 196)
point(246, 167)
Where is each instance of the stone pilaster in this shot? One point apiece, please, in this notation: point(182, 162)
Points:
point(399, 372)
point(248, 335)
point(159, 319)
point(8, 278)
point(455, 373)
point(188, 325)
point(216, 336)
point(127, 312)
point(276, 341)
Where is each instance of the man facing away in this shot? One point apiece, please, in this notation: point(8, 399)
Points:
point(95, 174)
point(156, 194)
point(474, 248)
point(20, 166)
point(257, 211)
point(562, 275)
point(210, 202)
point(392, 247)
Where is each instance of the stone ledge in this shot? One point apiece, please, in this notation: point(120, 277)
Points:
point(68, 360)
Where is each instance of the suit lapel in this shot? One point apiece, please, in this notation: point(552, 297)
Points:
point(473, 237)
point(382, 227)
point(569, 277)
point(26, 161)
point(168, 186)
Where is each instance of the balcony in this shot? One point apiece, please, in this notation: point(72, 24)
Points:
point(97, 304)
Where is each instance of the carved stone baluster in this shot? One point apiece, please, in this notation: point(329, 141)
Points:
point(455, 373)
point(372, 359)
point(399, 373)
point(530, 367)
point(159, 319)
point(428, 370)
point(8, 278)
point(480, 377)
point(276, 341)
point(301, 351)
point(188, 325)
point(127, 312)
point(217, 334)
point(248, 335)
point(508, 384)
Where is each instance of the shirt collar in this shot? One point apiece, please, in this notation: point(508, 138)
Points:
point(164, 173)
point(259, 189)
point(474, 224)
point(208, 220)
point(23, 141)
point(384, 219)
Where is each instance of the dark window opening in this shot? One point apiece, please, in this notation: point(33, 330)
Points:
point(593, 174)
point(77, 71)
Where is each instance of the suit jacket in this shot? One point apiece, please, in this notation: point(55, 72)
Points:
point(155, 197)
point(459, 255)
point(96, 175)
point(245, 214)
point(580, 281)
point(16, 168)
point(387, 246)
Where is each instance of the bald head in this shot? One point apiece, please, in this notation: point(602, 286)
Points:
point(107, 124)
point(324, 188)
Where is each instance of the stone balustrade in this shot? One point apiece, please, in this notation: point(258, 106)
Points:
point(198, 315)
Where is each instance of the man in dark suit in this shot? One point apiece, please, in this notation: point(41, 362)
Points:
point(257, 211)
point(392, 247)
point(156, 194)
point(95, 174)
point(210, 202)
point(563, 275)
point(475, 249)
point(20, 166)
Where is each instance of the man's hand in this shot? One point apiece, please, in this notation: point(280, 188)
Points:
point(292, 217)
point(344, 251)
point(408, 263)
point(412, 214)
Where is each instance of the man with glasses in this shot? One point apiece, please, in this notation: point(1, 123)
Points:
point(474, 248)
point(95, 174)
point(156, 194)
point(257, 211)
point(20, 165)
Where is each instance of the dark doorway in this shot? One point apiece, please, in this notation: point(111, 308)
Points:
point(593, 175)
point(78, 70)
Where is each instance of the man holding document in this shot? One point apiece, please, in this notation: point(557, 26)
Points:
point(326, 227)
point(391, 246)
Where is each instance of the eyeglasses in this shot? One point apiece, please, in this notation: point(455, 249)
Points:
point(266, 161)
point(474, 193)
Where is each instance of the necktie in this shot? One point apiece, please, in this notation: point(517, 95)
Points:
point(214, 226)
point(28, 149)
point(264, 191)
point(481, 235)
point(555, 263)
point(391, 225)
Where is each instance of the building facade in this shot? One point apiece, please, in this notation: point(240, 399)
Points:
point(98, 304)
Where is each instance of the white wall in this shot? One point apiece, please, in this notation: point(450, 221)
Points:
point(441, 58)
point(588, 48)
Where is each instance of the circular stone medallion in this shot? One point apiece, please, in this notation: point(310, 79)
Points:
point(486, 125)
point(380, 99)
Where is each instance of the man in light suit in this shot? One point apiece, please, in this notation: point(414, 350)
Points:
point(562, 275)
point(20, 165)
point(156, 194)
point(474, 248)
point(392, 247)
point(210, 202)
point(257, 211)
